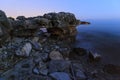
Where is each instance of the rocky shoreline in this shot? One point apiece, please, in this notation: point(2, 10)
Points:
point(41, 48)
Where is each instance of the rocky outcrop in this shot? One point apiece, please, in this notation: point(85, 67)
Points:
point(41, 48)
point(84, 22)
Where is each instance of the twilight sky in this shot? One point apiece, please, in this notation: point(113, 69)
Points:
point(83, 9)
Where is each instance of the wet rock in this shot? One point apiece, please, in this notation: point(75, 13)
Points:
point(94, 56)
point(59, 65)
point(55, 55)
point(64, 17)
point(80, 51)
point(112, 69)
point(60, 76)
point(25, 51)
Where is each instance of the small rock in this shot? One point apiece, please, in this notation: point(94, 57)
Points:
point(80, 75)
point(35, 71)
point(36, 45)
point(44, 57)
point(44, 30)
point(94, 56)
point(60, 76)
point(94, 73)
point(44, 71)
point(25, 51)
point(35, 39)
point(59, 65)
point(55, 55)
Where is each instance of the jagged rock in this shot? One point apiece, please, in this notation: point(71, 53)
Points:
point(59, 65)
point(21, 18)
point(60, 76)
point(42, 21)
point(94, 56)
point(31, 25)
point(25, 51)
point(5, 27)
point(65, 18)
point(55, 55)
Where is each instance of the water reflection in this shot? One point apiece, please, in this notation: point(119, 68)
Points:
point(103, 37)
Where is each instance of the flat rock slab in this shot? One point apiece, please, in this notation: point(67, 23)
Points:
point(60, 76)
point(59, 65)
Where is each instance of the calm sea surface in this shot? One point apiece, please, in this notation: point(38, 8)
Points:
point(102, 36)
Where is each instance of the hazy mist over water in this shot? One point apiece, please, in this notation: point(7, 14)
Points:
point(102, 36)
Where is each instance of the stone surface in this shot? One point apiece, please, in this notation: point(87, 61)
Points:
point(80, 75)
point(36, 45)
point(59, 65)
point(55, 55)
point(25, 51)
point(44, 72)
point(60, 76)
point(5, 27)
point(36, 71)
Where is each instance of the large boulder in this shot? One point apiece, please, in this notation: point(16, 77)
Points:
point(5, 27)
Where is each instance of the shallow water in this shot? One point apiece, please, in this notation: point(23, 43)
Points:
point(102, 36)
